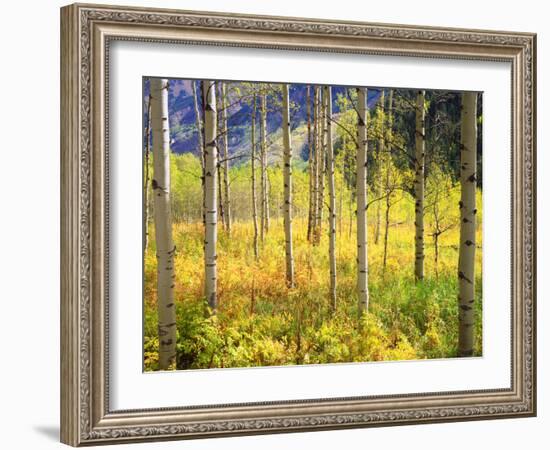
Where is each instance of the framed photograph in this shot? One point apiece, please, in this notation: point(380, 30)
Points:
point(276, 224)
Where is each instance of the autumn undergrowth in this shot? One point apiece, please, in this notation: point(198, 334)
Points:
point(260, 322)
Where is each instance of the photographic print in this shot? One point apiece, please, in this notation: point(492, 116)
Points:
point(289, 224)
point(281, 204)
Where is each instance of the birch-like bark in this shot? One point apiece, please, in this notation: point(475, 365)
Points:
point(198, 125)
point(467, 251)
point(379, 174)
point(163, 223)
point(227, 193)
point(315, 168)
point(310, 164)
point(253, 176)
point(263, 169)
point(321, 167)
point(287, 149)
point(211, 193)
point(332, 196)
point(146, 183)
point(419, 186)
point(219, 169)
point(361, 188)
point(220, 155)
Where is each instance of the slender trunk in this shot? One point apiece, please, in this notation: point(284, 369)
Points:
point(419, 186)
point(202, 120)
point(227, 197)
point(378, 184)
point(351, 164)
point(436, 254)
point(253, 175)
point(211, 193)
point(341, 201)
point(287, 148)
point(315, 168)
point(436, 233)
point(219, 169)
point(263, 159)
point(267, 202)
point(163, 223)
point(321, 167)
point(386, 231)
point(361, 187)
point(146, 178)
point(310, 164)
point(332, 197)
point(221, 156)
point(200, 138)
point(387, 166)
point(466, 259)
point(198, 125)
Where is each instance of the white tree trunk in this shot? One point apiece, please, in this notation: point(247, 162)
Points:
point(263, 169)
point(310, 164)
point(322, 166)
point(332, 197)
point(361, 188)
point(146, 178)
point(198, 125)
point(211, 193)
point(163, 223)
point(467, 251)
point(315, 162)
point(253, 177)
point(287, 148)
point(378, 183)
point(419, 187)
point(227, 199)
point(388, 161)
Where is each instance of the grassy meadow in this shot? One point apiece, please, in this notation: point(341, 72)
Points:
point(261, 322)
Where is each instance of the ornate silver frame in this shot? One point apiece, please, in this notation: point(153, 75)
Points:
point(86, 31)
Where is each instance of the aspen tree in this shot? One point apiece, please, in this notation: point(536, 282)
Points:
point(388, 191)
point(379, 171)
point(315, 168)
point(198, 124)
point(419, 161)
point(227, 190)
point(361, 188)
point(310, 164)
point(253, 176)
point(321, 166)
point(287, 148)
point(163, 223)
point(467, 249)
point(146, 183)
point(220, 156)
point(200, 138)
point(211, 193)
point(332, 196)
point(264, 210)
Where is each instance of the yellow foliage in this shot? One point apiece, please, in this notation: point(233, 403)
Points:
point(261, 322)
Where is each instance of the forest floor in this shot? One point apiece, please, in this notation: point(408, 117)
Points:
point(260, 322)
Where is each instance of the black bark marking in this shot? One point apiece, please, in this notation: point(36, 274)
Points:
point(463, 277)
